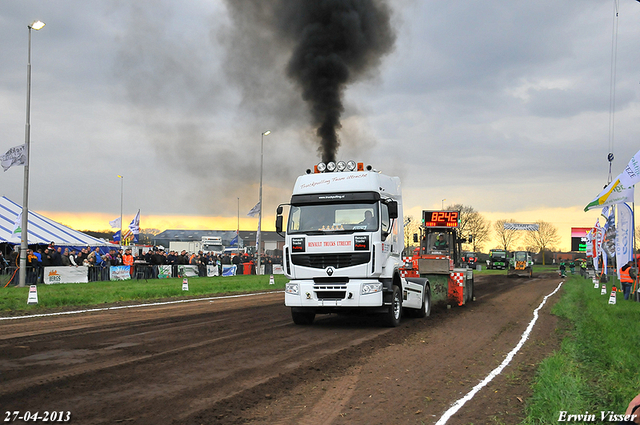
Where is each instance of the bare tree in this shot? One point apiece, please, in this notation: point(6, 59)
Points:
point(472, 223)
point(546, 237)
point(506, 237)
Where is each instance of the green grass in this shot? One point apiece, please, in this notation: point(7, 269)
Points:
point(596, 368)
point(13, 300)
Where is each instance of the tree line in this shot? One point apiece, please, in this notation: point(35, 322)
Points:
point(475, 225)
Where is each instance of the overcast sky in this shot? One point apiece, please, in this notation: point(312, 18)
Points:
point(503, 106)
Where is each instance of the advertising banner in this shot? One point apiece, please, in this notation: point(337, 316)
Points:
point(277, 269)
point(521, 226)
point(212, 270)
point(228, 270)
point(599, 235)
point(120, 272)
point(624, 236)
point(188, 271)
point(62, 274)
point(164, 271)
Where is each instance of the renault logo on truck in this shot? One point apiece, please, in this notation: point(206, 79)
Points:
point(330, 271)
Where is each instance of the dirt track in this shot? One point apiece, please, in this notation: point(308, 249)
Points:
point(241, 360)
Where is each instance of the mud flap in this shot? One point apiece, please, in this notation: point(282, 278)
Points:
point(456, 287)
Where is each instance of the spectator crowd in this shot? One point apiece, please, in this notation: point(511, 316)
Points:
point(143, 264)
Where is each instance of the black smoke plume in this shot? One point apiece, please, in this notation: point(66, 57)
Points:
point(336, 43)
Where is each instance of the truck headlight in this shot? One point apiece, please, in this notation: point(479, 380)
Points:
point(371, 288)
point(292, 288)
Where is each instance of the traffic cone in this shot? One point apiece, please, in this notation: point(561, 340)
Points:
point(271, 280)
point(604, 290)
point(33, 295)
point(612, 298)
point(595, 284)
point(185, 284)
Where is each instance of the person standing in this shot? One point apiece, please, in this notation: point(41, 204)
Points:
point(65, 258)
point(127, 260)
point(627, 277)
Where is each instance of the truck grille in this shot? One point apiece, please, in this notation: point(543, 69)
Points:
point(330, 292)
point(322, 261)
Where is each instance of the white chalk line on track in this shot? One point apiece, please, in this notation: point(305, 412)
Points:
point(458, 404)
point(91, 310)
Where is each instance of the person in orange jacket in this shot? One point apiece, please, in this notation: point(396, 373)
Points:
point(627, 277)
point(127, 260)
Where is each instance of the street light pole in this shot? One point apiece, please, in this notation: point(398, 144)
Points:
point(24, 241)
point(121, 203)
point(265, 133)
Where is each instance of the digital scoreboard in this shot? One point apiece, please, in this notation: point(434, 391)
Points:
point(441, 218)
point(579, 238)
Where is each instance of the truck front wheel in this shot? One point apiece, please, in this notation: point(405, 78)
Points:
point(301, 316)
point(394, 314)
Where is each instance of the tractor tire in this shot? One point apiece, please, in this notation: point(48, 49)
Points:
point(302, 317)
point(470, 291)
point(393, 316)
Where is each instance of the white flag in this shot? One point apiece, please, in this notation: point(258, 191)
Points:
point(17, 155)
point(255, 210)
point(135, 224)
point(115, 224)
point(17, 228)
point(624, 236)
point(631, 174)
point(615, 193)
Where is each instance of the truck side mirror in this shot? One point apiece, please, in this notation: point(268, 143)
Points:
point(279, 221)
point(470, 239)
point(415, 238)
point(392, 206)
point(279, 210)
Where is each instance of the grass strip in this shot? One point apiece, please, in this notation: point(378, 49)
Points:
point(596, 368)
point(13, 300)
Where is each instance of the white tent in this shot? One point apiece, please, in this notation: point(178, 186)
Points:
point(41, 229)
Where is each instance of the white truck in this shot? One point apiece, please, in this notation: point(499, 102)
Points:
point(343, 246)
point(212, 244)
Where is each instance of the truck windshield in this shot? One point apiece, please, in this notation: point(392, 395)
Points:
point(333, 218)
point(520, 256)
point(498, 254)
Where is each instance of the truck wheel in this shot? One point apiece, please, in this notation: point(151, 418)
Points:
point(425, 311)
point(470, 291)
point(302, 317)
point(394, 314)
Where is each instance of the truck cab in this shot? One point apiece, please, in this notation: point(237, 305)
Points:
point(520, 264)
point(498, 259)
point(343, 244)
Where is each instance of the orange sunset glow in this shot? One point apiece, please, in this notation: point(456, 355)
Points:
point(100, 221)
